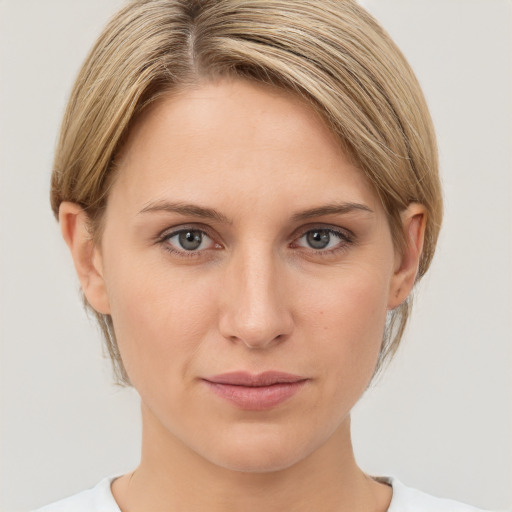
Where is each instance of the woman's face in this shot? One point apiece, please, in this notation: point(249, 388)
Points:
point(239, 240)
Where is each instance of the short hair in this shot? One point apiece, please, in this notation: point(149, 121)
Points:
point(331, 53)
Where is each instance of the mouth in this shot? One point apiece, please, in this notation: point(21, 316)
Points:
point(256, 392)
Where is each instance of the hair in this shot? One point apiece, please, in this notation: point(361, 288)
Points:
point(331, 53)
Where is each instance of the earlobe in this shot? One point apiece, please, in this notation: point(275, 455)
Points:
point(86, 255)
point(407, 261)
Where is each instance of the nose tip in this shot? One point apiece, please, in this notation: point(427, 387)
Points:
point(256, 309)
point(257, 333)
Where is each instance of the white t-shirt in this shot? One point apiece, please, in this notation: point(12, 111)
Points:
point(405, 499)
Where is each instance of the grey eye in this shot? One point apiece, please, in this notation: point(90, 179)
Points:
point(190, 240)
point(318, 238)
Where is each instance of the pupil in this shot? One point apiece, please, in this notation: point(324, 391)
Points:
point(190, 240)
point(319, 239)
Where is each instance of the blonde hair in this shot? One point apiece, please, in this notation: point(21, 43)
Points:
point(332, 53)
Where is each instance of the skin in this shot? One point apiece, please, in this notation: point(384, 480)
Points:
point(255, 296)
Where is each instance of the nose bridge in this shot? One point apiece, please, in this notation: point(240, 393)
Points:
point(255, 310)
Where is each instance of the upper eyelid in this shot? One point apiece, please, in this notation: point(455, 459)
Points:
point(343, 241)
point(347, 233)
point(172, 231)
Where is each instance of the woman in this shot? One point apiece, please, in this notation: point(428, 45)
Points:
point(249, 191)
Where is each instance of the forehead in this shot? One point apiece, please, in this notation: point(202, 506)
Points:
point(236, 138)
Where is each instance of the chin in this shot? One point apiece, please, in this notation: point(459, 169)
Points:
point(256, 461)
point(259, 453)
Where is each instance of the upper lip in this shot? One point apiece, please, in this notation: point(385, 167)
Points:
point(241, 378)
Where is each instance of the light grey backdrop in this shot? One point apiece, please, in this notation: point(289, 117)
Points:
point(441, 417)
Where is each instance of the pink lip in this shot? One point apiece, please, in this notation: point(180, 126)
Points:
point(256, 392)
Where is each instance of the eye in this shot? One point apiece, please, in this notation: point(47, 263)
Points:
point(189, 240)
point(323, 239)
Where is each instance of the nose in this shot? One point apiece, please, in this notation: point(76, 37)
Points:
point(255, 306)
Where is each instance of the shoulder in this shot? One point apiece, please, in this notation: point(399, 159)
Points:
point(407, 499)
point(97, 499)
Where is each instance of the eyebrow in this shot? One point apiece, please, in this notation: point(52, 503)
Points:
point(211, 214)
point(331, 209)
point(186, 209)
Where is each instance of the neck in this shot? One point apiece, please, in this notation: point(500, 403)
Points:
point(171, 477)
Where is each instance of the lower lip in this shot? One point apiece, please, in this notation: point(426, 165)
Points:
point(256, 398)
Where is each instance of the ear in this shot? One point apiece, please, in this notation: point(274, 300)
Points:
point(407, 261)
point(86, 255)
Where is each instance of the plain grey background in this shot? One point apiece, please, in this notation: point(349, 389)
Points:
point(441, 417)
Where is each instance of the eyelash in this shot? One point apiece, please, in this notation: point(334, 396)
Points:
point(166, 236)
point(346, 239)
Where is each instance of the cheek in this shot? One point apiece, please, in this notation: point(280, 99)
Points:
point(348, 318)
point(353, 305)
point(159, 317)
